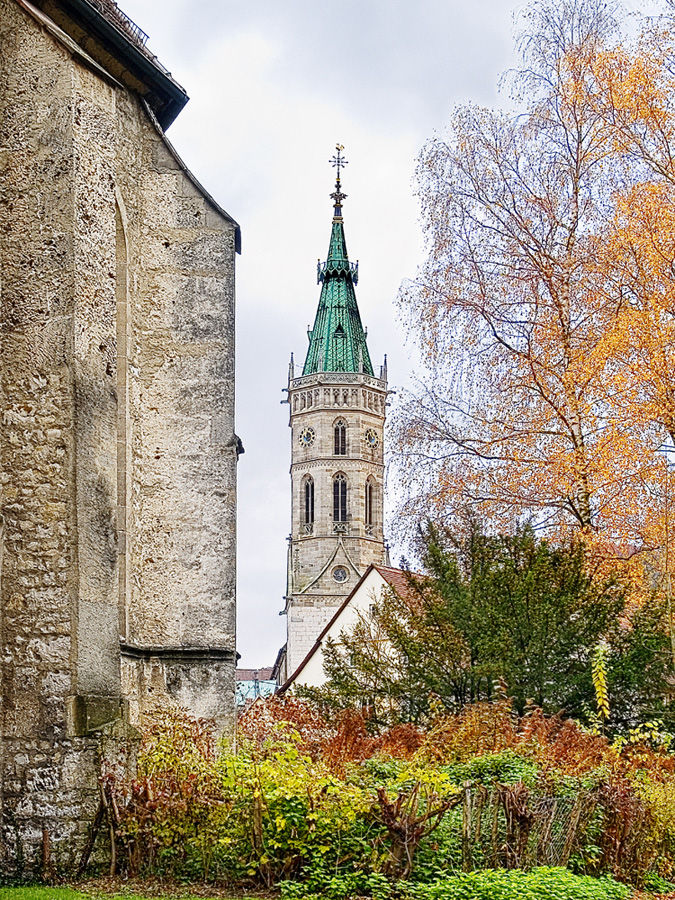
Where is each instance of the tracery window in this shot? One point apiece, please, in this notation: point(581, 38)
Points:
point(370, 505)
point(340, 434)
point(308, 502)
point(340, 498)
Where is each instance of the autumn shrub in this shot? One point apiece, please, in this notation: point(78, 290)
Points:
point(632, 832)
point(296, 816)
point(342, 740)
point(262, 816)
point(343, 812)
point(173, 812)
point(658, 796)
point(550, 742)
point(275, 810)
point(263, 722)
point(478, 729)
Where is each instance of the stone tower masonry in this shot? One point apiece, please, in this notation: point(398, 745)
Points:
point(117, 444)
point(337, 414)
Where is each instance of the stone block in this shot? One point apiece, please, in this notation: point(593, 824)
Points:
point(88, 714)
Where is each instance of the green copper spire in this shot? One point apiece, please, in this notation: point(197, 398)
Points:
point(337, 342)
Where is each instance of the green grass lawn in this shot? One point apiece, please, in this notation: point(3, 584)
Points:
point(41, 893)
point(61, 893)
point(50, 893)
point(96, 893)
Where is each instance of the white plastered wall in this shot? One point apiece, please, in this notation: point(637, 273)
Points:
point(366, 594)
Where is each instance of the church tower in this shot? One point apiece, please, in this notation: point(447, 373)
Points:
point(337, 413)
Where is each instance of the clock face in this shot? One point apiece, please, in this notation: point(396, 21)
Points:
point(372, 440)
point(307, 436)
point(340, 574)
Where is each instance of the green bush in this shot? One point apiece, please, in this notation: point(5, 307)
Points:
point(658, 885)
point(294, 817)
point(329, 886)
point(539, 884)
point(506, 767)
point(263, 814)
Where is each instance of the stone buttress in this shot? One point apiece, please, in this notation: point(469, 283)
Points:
point(117, 445)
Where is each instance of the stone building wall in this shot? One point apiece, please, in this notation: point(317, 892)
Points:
point(117, 445)
point(318, 401)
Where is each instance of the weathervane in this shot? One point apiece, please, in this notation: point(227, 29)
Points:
point(338, 162)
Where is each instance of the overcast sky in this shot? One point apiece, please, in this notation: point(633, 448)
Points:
point(273, 86)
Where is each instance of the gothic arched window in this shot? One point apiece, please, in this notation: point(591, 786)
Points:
point(308, 502)
point(340, 434)
point(370, 505)
point(340, 498)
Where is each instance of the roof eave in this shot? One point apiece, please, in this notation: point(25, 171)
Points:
point(166, 97)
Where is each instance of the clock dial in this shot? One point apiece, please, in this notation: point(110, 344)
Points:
point(372, 440)
point(307, 436)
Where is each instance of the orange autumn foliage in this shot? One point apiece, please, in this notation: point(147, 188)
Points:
point(553, 743)
point(545, 310)
point(345, 739)
point(635, 251)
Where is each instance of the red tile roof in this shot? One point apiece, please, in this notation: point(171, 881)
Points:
point(264, 674)
point(398, 579)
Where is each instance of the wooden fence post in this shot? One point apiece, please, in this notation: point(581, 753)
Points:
point(467, 861)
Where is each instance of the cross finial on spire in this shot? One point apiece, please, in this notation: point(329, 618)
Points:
point(339, 162)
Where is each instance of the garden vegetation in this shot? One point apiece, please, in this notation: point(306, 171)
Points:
point(491, 610)
point(334, 811)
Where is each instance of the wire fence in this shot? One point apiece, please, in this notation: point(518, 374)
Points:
point(510, 827)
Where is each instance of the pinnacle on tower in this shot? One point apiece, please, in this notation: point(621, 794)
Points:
point(337, 342)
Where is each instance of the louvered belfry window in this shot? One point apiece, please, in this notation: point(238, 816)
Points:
point(340, 498)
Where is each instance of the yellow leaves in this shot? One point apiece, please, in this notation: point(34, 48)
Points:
point(631, 89)
point(599, 672)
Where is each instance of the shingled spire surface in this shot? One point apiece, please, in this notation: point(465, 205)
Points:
point(337, 342)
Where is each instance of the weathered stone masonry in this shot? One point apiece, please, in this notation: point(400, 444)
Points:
point(117, 444)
